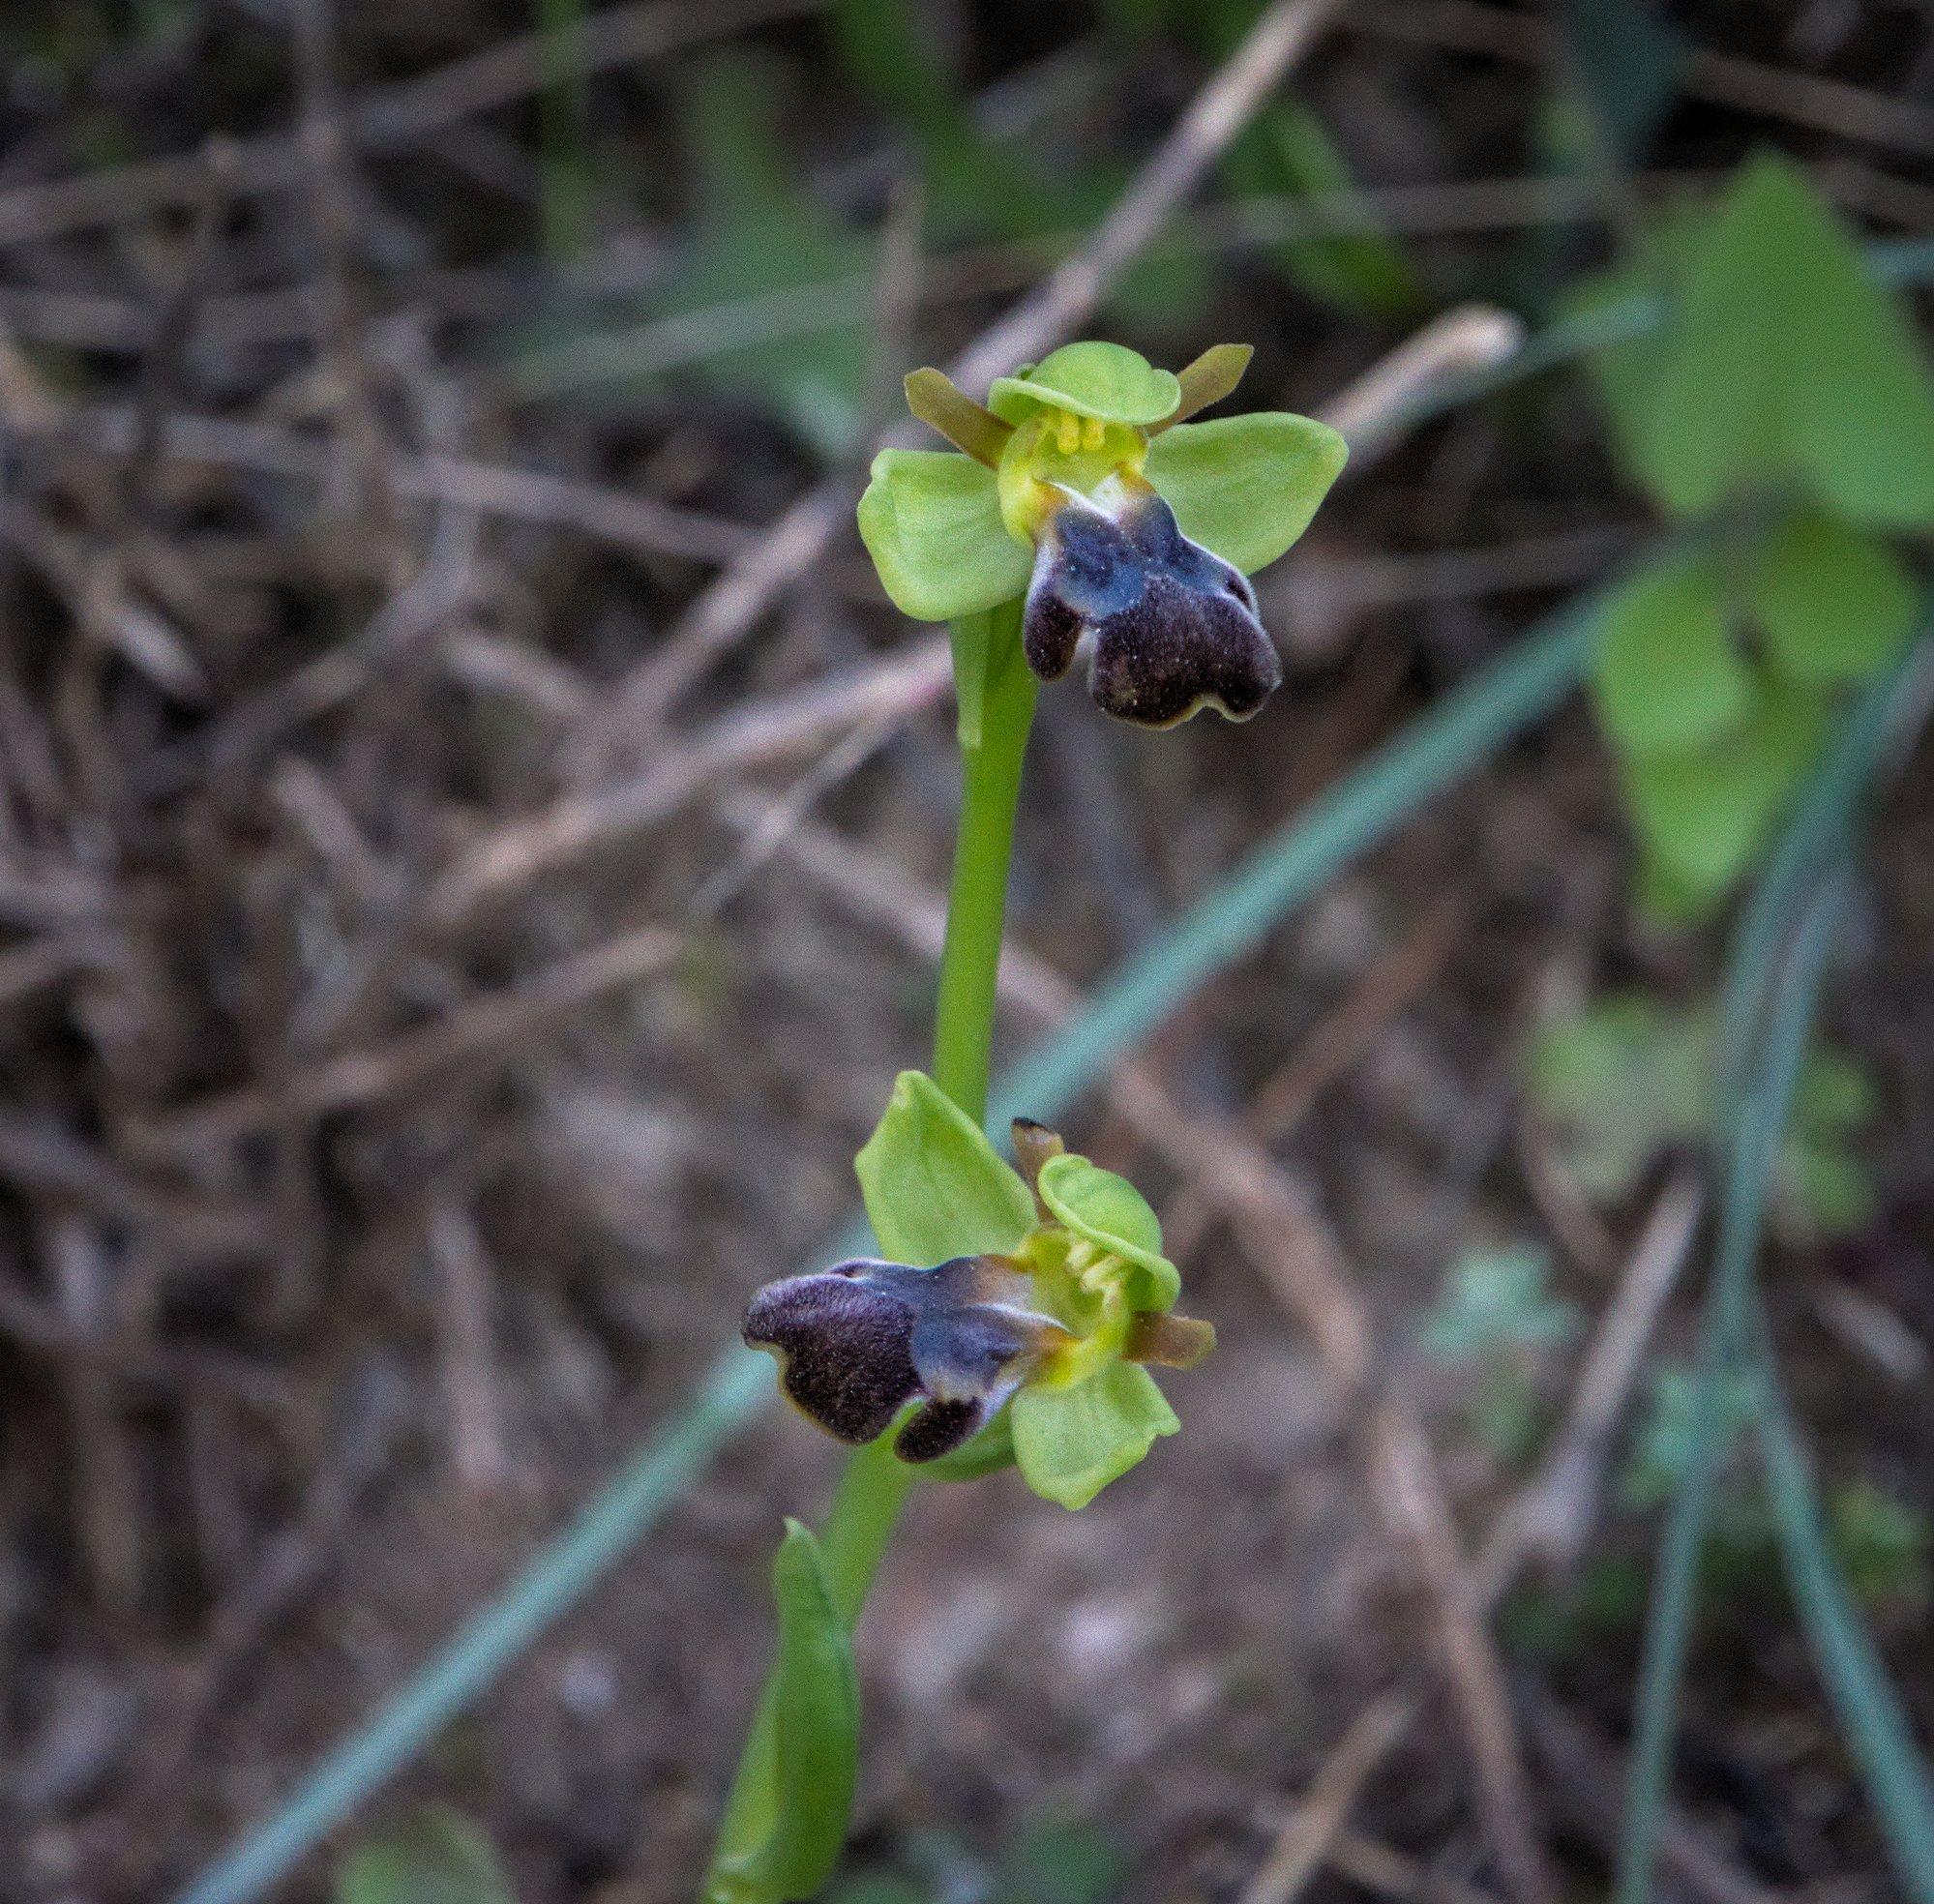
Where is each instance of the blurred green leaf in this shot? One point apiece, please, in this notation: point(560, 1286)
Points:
point(1667, 675)
point(437, 1858)
point(1062, 1863)
point(1883, 1543)
point(1627, 55)
point(933, 1185)
point(1834, 604)
point(1661, 1450)
point(1496, 1299)
point(1626, 1077)
point(1705, 813)
point(1789, 359)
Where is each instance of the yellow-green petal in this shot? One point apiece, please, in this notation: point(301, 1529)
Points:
point(1245, 487)
point(1108, 1212)
point(1104, 380)
point(931, 520)
point(1070, 1442)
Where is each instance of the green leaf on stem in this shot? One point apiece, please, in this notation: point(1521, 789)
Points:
point(1108, 1212)
point(815, 1738)
point(1245, 487)
point(1834, 604)
point(1667, 675)
point(934, 1187)
point(1092, 380)
point(931, 520)
point(1070, 1442)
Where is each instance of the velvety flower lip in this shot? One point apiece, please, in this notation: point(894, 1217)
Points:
point(1174, 628)
point(860, 1341)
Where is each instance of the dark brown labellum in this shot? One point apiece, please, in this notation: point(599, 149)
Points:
point(1174, 628)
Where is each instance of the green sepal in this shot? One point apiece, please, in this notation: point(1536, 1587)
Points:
point(1070, 1442)
point(1666, 674)
point(931, 520)
point(1834, 604)
point(1245, 487)
point(1108, 1212)
point(990, 1451)
point(814, 1759)
point(1104, 380)
point(933, 1186)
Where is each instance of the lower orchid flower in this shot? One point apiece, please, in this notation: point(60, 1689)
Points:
point(1039, 1351)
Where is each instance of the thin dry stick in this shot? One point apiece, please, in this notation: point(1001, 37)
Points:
point(1303, 1843)
point(729, 609)
point(1804, 99)
point(388, 118)
point(488, 1025)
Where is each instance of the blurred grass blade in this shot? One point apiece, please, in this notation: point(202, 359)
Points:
point(1435, 751)
point(1871, 1712)
point(1774, 967)
point(1751, 1149)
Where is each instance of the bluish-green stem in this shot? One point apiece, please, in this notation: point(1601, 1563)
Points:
point(998, 710)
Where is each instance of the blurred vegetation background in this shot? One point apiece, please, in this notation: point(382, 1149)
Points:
point(471, 837)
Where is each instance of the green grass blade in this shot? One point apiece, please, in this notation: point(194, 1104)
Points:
point(1751, 1146)
point(1451, 740)
point(1773, 975)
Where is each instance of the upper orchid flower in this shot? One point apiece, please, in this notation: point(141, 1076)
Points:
point(1084, 491)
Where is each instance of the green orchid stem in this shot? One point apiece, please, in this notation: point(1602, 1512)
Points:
point(995, 695)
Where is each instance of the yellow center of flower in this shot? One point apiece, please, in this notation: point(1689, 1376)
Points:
point(1055, 451)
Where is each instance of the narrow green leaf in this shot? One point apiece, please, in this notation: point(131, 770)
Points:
point(931, 520)
point(1070, 1442)
point(816, 1750)
point(438, 1858)
point(933, 1185)
point(1667, 676)
point(1834, 604)
point(1245, 487)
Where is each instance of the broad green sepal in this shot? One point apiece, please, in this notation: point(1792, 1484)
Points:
point(931, 520)
point(1070, 1442)
point(1245, 487)
point(816, 1741)
point(1108, 1211)
point(1104, 380)
point(1666, 674)
point(933, 1186)
point(1834, 604)
point(990, 1451)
